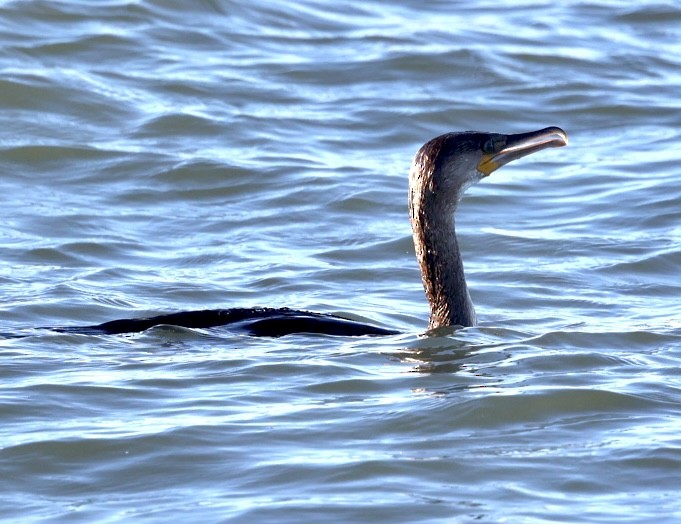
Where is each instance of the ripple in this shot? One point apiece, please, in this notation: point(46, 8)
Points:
point(166, 156)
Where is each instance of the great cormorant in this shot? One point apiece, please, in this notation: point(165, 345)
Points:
point(441, 172)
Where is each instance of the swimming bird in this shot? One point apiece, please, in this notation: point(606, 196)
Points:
point(442, 170)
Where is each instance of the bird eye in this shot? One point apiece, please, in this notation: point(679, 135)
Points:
point(494, 144)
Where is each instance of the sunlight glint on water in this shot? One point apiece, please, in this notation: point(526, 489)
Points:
point(160, 157)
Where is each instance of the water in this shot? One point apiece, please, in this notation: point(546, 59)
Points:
point(160, 156)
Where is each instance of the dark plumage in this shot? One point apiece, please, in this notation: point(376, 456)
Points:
point(271, 322)
point(441, 172)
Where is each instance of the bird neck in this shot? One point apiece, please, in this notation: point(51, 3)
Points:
point(437, 251)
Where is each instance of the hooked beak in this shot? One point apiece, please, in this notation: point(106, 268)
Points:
point(520, 145)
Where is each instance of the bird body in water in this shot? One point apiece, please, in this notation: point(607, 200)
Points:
point(441, 172)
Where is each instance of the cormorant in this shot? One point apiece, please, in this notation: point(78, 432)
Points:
point(441, 172)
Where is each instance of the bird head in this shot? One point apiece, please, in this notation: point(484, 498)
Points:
point(449, 164)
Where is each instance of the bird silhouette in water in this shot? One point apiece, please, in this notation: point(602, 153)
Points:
point(442, 170)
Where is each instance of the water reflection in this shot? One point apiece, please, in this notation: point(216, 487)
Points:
point(465, 352)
